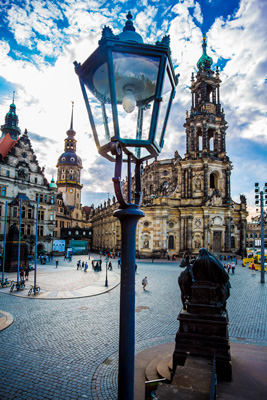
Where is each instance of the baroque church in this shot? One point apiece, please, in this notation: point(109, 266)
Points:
point(187, 201)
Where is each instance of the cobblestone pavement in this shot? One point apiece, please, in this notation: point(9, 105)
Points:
point(65, 281)
point(69, 349)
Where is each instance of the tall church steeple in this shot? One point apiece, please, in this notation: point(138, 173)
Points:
point(69, 167)
point(205, 126)
point(11, 123)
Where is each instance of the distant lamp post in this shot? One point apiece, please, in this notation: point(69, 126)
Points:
point(106, 282)
point(131, 87)
point(259, 201)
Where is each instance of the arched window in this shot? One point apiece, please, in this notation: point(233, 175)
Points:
point(213, 181)
point(171, 242)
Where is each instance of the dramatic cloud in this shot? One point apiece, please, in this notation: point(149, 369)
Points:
point(41, 39)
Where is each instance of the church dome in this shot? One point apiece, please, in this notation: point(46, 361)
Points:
point(69, 158)
point(52, 184)
point(205, 61)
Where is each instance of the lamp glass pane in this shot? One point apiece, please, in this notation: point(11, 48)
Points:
point(163, 107)
point(137, 73)
point(135, 82)
point(103, 118)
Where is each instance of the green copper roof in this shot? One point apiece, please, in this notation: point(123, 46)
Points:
point(205, 62)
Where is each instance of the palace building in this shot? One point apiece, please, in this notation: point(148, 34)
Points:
point(187, 201)
point(22, 180)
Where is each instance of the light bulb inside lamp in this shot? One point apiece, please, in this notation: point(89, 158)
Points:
point(128, 101)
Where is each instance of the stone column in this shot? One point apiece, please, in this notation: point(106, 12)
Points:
point(205, 138)
point(206, 231)
point(182, 228)
point(189, 232)
point(206, 181)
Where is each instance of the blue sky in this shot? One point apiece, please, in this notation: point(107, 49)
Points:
point(39, 40)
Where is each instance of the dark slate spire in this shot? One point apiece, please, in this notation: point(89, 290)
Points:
point(11, 123)
point(205, 62)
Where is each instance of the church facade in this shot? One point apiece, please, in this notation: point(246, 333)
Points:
point(187, 201)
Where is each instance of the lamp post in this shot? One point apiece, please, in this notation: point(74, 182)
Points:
point(106, 282)
point(259, 200)
point(128, 81)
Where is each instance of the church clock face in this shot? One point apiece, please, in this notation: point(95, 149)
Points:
point(70, 190)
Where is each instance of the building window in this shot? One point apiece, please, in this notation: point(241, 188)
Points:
point(52, 199)
point(84, 233)
point(77, 216)
point(41, 198)
point(68, 224)
point(165, 173)
point(56, 223)
point(29, 213)
point(28, 230)
point(76, 232)
point(15, 212)
point(63, 176)
point(51, 216)
point(3, 191)
point(77, 195)
point(45, 198)
point(23, 214)
point(61, 210)
point(22, 229)
point(171, 242)
point(61, 224)
point(69, 232)
point(40, 230)
point(35, 180)
point(7, 173)
point(71, 177)
point(41, 215)
point(54, 234)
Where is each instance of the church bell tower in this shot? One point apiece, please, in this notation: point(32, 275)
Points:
point(69, 167)
point(206, 126)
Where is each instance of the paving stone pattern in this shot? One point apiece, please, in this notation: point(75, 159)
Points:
point(68, 349)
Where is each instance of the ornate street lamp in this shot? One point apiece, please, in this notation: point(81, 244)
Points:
point(131, 86)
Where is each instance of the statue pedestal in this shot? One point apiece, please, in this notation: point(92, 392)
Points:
point(203, 330)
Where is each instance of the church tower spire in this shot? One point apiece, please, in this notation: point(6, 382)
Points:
point(11, 122)
point(205, 126)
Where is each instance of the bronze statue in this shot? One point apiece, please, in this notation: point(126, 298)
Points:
point(206, 268)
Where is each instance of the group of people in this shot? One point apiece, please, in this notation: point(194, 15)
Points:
point(24, 273)
point(82, 265)
point(230, 267)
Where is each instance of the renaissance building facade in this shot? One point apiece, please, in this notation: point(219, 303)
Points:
point(187, 201)
point(22, 180)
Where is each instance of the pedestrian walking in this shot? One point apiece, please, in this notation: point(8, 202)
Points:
point(85, 266)
point(27, 271)
point(56, 263)
point(144, 283)
point(253, 270)
point(82, 264)
point(119, 262)
point(77, 265)
point(135, 267)
point(21, 274)
point(228, 268)
point(233, 267)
